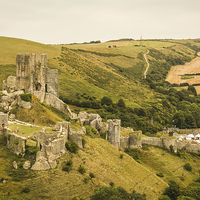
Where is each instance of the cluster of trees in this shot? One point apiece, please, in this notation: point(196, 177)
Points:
point(118, 193)
point(174, 192)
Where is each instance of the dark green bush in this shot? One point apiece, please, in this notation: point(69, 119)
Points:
point(31, 150)
point(86, 180)
point(25, 190)
point(26, 97)
point(171, 147)
point(83, 142)
point(91, 175)
point(160, 174)
point(67, 166)
point(187, 167)
point(173, 191)
point(81, 169)
point(111, 193)
point(71, 146)
point(121, 156)
point(111, 184)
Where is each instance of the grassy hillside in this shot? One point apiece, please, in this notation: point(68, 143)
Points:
point(98, 157)
point(103, 160)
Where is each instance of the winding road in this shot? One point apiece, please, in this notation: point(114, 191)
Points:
point(145, 57)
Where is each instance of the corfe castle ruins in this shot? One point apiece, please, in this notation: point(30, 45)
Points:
point(33, 76)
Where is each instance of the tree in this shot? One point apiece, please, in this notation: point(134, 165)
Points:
point(192, 89)
point(190, 121)
point(121, 103)
point(173, 191)
point(110, 193)
point(179, 119)
point(106, 101)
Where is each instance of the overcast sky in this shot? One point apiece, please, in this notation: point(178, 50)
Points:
point(68, 21)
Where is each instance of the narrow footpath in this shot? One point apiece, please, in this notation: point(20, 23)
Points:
point(145, 57)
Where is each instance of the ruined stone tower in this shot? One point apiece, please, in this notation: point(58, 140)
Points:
point(33, 75)
point(22, 73)
point(114, 132)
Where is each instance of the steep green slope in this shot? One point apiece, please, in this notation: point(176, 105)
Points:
point(103, 160)
point(98, 157)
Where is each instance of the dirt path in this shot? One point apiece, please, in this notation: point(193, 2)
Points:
point(193, 67)
point(145, 57)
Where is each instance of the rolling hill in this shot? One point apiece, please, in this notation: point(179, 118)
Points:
point(89, 72)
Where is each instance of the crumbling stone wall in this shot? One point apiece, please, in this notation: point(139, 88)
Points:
point(124, 142)
point(161, 142)
point(3, 123)
point(51, 145)
point(113, 135)
point(58, 104)
point(52, 82)
point(135, 140)
point(16, 144)
point(10, 85)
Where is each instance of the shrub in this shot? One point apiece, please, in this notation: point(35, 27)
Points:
point(81, 169)
point(71, 146)
point(187, 167)
point(106, 101)
point(67, 166)
point(118, 193)
point(86, 179)
point(31, 150)
point(121, 156)
point(94, 130)
point(103, 134)
point(88, 129)
point(160, 174)
point(83, 142)
point(91, 175)
point(171, 147)
point(111, 184)
point(26, 97)
point(25, 190)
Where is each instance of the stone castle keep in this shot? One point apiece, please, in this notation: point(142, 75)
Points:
point(33, 76)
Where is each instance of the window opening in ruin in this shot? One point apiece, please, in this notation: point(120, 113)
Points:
point(39, 64)
point(40, 147)
point(38, 87)
point(45, 87)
